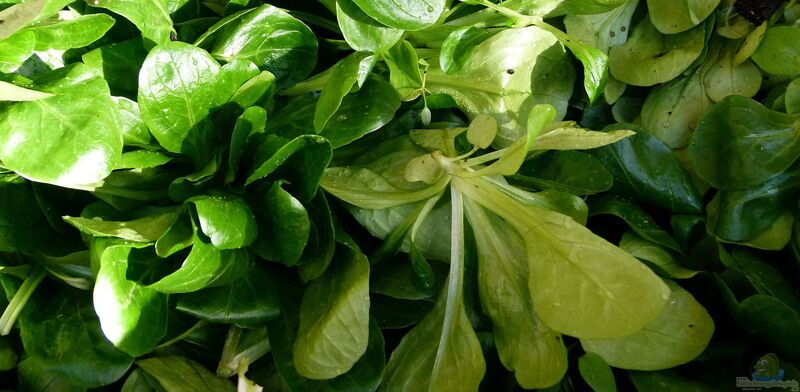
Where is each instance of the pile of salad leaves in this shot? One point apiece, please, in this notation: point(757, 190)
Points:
point(406, 195)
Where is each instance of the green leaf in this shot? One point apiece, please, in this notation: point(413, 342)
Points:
point(248, 302)
point(671, 17)
point(178, 236)
point(133, 317)
point(740, 144)
point(604, 30)
point(68, 34)
point(506, 76)
point(226, 220)
point(61, 333)
point(364, 376)
point(595, 62)
point(285, 224)
point(381, 183)
point(673, 110)
point(596, 373)
point(580, 284)
point(779, 51)
point(134, 132)
point(180, 374)
point(14, 93)
point(656, 256)
point(677, 336)
point(145, 229)
point(15, 49)
point(334, 318)
point(269, 37)
point(404, 14)
point(341, 81)
point(650, 58)
point(75, 141)
point(206, 266)
point(534, 353)
point(141, 159)
point(150, 16)
point(646, 169)
point(362, 32)
point(539, 117)
point(727, 77)
point(458, 47)
point(405, 75)
point(177, 89)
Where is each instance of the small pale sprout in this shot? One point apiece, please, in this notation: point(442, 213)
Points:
point(482, 130)
point(423, 168)
point(425, 116)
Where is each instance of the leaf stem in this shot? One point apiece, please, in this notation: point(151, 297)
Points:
point(456, 278)
point(20, 298)
point(181, 336)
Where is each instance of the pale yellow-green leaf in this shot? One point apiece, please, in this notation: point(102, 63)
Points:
point(482, 130)
point(535, 353)
point(578, 139)
point(423, 168)
point(14, 93)
point(677, 336)
point(581, 285)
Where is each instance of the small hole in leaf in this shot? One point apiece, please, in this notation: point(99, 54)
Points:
point(623, 28)
point(691, 325)
point(510, 71)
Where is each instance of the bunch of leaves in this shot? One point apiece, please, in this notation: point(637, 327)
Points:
point(396, 195)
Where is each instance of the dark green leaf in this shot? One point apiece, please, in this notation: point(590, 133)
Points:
point(646, 169)
point(342, 78)
point(636, 218)
point(61, 332)
point(248, 302)
point(740, 144)
point(596, 373)
point(574, 172)
point(285, 226)
point(740, 215)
